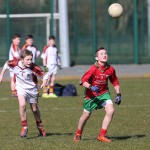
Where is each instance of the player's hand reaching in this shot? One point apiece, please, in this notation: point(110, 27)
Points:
point(118, 99)
point(94, 88)
point(42, 85)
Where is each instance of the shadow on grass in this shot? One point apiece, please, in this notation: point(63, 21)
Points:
point(50, 134)
point(34, 137)
point(127, 137)
point(120, 137)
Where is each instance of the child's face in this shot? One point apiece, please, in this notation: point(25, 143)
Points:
point(16, 41)
point(27, 61)
point(29, 42)
point(102, 56)
point(51, 42)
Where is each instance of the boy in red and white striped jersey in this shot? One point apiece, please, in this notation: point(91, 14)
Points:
point(26, 87)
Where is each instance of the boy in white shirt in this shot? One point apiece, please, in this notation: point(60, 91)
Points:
point(29, 46)
point(26, 87)
point(51, 61)
point(14, 54)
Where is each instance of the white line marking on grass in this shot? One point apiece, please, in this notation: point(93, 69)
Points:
point(4, 98)
point(2, 111)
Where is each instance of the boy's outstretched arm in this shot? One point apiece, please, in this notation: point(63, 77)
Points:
point(1, 75)
point(44, 83)
point(3, 71)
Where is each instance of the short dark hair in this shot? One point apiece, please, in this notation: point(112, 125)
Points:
point(16, 36)
point(29, 36)
point(100, 48)
point(25, 53)
point(51, 37)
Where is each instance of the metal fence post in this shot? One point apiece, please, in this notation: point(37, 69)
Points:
point(94, 26)
point(64, 33)
point(136, 59)
point(75, 26)
point(8, 25)
point(52, 17)
point(108, 34)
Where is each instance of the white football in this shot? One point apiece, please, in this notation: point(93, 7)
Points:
point(115, 10)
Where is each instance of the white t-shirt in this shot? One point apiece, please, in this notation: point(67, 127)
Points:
point(14, 52)
point(34, 51)
point(24, 76)
point(51, 56)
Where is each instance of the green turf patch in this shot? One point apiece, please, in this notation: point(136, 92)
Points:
point(129, 130)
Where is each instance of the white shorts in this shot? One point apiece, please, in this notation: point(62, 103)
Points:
point(52, 69)
point(31, 95)
point(107, 102)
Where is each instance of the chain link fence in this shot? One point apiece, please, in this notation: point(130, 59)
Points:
point(90, 27)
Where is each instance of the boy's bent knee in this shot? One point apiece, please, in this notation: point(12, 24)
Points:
point(86, 114)
point(110, 111)
point(22, 106)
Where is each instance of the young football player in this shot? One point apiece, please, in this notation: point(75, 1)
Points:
point(29, 46)
point(14, 54)
point(26, 88)
point(51, 62)
point(97, 95)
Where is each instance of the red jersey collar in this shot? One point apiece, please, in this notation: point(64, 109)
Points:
point(102, 68)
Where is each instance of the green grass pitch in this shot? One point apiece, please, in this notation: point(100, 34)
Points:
point(129, 130)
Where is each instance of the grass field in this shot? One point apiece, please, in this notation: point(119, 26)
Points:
point(129, 130)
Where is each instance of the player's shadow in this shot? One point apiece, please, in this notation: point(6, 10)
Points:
point(50, 134)
point(115, 138)
point(59, 134)
point(34, 137)
point(127, 137)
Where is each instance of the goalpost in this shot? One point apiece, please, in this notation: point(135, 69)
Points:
point(62, 16)
point(41, 15)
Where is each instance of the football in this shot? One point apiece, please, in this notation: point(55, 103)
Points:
point(115, 10)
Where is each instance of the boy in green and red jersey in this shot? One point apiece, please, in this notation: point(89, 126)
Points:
point(97, 95)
